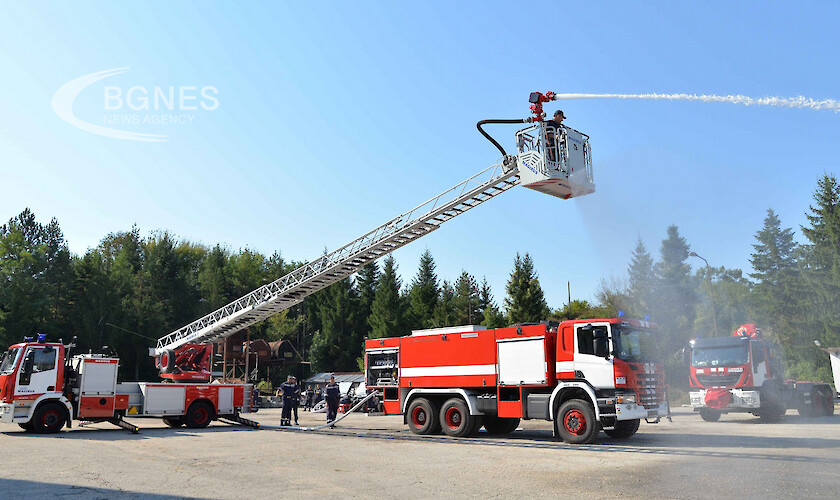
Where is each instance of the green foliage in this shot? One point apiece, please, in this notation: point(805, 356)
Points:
point(525, 301)
point(388, 311)
point(467, 301)
point(423, 293)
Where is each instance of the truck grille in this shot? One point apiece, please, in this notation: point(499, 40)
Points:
point(727, 380)
point(651, 389)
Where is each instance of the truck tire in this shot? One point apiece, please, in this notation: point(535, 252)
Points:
point(28, 427)
point(500, 425)
point(575, 422)
point(174, 422)
point(710, 414)
point(49, 418)
point(623, 429)
point(455, 418)
point(167, 361)
point(423, 417)
point(772, 406)
point(199, 415)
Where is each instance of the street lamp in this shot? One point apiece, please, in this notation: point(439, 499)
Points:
point(711, 292)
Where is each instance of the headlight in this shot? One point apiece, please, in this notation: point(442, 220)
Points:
point(624, 398)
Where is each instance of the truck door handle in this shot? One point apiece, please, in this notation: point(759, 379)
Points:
point(51, 388)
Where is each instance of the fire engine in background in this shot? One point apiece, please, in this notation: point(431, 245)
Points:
point(743, 373)
point(584, 375)
point(43, 387)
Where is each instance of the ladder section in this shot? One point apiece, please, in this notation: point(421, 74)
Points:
point(292, 288)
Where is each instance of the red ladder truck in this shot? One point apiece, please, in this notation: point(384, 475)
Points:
point(584, 375)
point(549, 159)
point(744, 373)
point(43, 387)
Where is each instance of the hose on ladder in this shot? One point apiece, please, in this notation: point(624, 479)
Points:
point(486, 135)
point(329, 424)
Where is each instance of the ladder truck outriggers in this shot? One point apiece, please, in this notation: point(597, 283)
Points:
point(584, 375)
point(44, 387)
point(743, 373)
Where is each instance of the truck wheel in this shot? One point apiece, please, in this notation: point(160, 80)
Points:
point(167, 361)
point(28, 427)
point(828, 394)
point(199, 415)
point(500, 425)
point(772, 407)
point(173, 422)
point(48, 418)
point(575, 422)
point(423, 417)
point(710, 414)
point(624, 429)
point(455, 418)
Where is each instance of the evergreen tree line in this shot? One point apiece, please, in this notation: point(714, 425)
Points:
point(131, 290)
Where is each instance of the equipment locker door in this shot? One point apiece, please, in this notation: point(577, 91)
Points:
point(225, 401)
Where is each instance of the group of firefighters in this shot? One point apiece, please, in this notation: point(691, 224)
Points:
point(290, 390)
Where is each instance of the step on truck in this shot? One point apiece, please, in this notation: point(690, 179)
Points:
point(743, 373)
point(43, 387)
point(584, 375)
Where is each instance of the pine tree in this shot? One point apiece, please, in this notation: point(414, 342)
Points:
point(525, 301)
point(675, 298)
point(778, 291)
point(337, 345)
point(445, 312)
point(642, 282)
point(424, 291)
point(467, 301)
point(822, 269)
point(387, 317)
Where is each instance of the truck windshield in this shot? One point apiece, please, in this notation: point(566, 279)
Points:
point(9, 360)
point(720, 356)
point(634, 345)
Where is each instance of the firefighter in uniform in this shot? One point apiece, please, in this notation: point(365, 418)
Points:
point(288, 387)
point(332, 394)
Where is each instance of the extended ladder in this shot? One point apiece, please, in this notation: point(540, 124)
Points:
point(292, 288)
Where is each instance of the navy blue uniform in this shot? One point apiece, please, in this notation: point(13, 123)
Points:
point(290, 392)
point(332, 394)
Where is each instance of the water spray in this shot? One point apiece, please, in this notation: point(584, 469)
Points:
point(799, 102)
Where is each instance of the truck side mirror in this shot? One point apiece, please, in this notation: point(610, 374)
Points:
point(602, 348)
point(26, 368)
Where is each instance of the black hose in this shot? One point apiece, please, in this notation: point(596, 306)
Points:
point(485, 134)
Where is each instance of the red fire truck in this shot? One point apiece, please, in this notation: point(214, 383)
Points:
point(584, 375)
point(43, 387)
point(743, 373)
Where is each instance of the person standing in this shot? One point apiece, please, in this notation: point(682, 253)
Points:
point(332, 393)
point(308, 396)
point(288, 390)
point(295, 398)
point(554, 135)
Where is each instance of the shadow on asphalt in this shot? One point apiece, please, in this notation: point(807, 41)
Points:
point(686, 445)
point(18, 488)
point(117, 434)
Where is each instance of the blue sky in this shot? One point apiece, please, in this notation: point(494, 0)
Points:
point(335, 117)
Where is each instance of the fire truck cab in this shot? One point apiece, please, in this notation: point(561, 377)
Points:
point(584, 375)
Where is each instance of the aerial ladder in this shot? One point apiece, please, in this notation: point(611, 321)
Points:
point(555, 160)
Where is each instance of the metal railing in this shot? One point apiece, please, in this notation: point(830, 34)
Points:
point(292, 288)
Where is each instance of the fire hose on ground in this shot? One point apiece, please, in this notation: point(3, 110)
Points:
point(333, 422)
